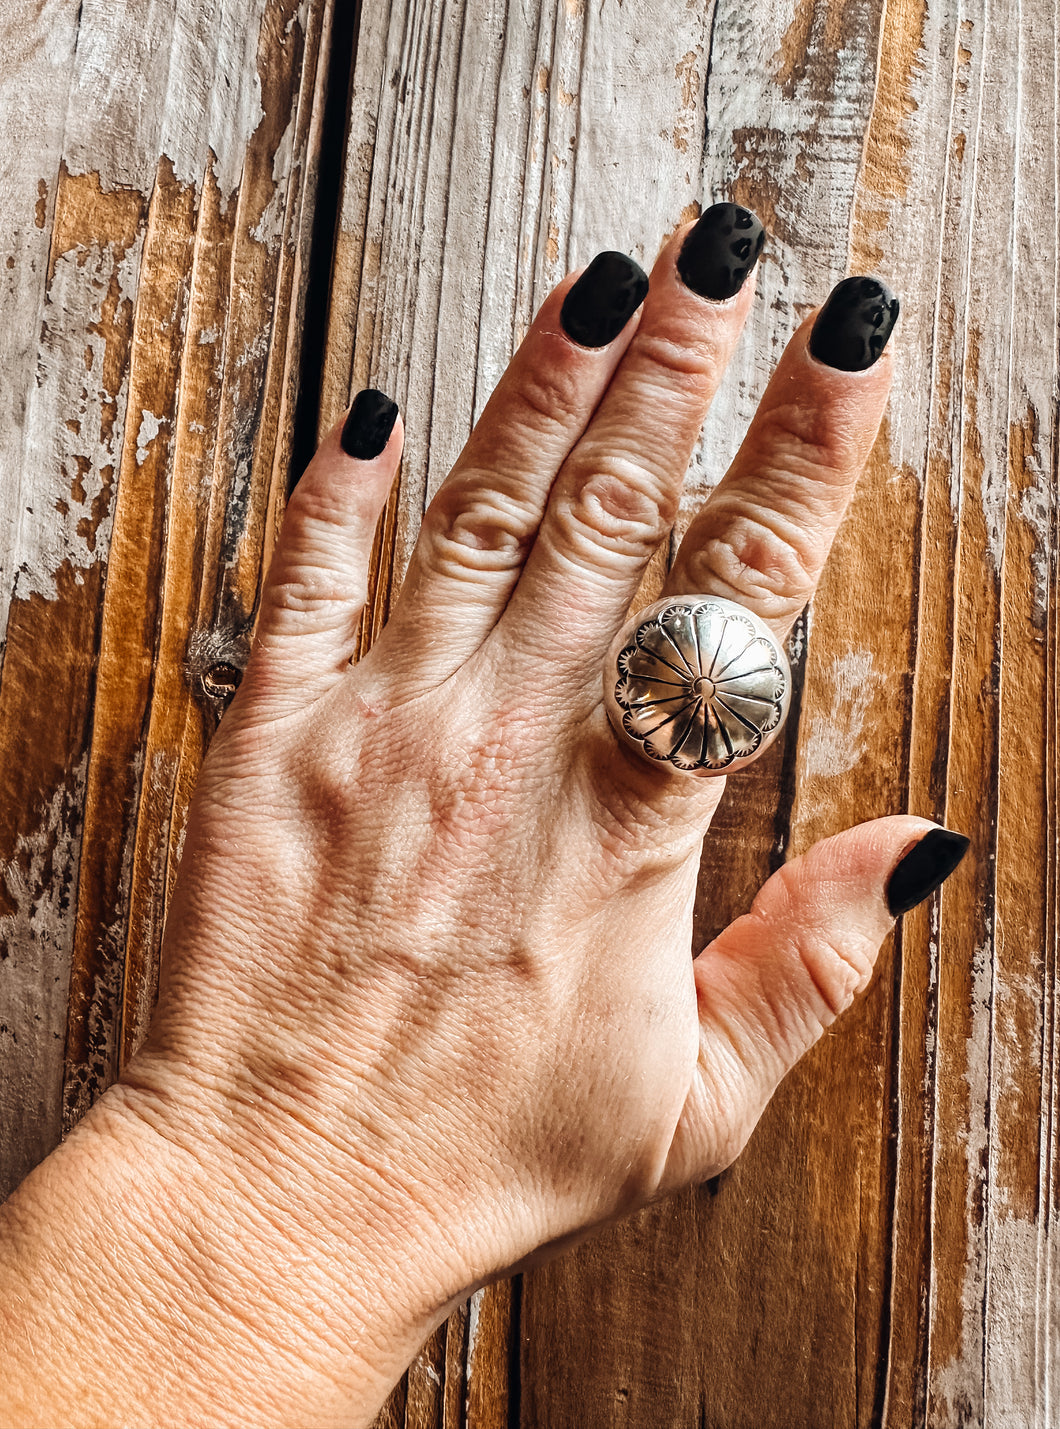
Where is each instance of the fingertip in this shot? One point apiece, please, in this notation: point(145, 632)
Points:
point(925, 865)
point(599, 304)
point(369, 425)
point(357, 460)
point(716, 256)
point(896, 862)
point(851, 330)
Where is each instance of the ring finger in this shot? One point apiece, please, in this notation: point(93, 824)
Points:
point(762, 537)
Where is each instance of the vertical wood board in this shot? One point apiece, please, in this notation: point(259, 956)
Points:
point(157, 213)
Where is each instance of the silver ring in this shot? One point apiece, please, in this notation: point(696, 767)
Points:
point(697, 683)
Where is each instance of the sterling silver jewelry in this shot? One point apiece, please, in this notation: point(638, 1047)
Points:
point(697, 683)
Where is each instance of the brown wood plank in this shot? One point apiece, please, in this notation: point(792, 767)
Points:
point(147, 452)
point(884, 1252)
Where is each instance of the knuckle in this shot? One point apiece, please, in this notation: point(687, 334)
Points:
point(837, 967)
point(469, 526)
point(550, 397)
point(315, 502)
point(683, 354)
point(837, 960)
point(619, 504)
point(753, 554)
point(314, 592)
point(806, 438)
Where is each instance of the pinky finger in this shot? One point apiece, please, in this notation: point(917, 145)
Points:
point(771, 983)
point(318, 580)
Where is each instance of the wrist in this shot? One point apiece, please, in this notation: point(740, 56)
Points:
point(168, 1268)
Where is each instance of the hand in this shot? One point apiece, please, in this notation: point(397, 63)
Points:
point(427, 987)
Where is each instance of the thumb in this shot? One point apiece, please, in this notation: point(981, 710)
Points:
point(775, 979)
point(318, 580)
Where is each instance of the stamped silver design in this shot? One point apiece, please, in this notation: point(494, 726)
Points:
point(698, 683)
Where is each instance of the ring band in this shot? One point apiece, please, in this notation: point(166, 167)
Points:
point(697, 683)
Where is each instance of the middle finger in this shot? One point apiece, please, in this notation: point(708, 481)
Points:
point(616, 495)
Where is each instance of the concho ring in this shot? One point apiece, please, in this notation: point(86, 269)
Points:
point(697, 683)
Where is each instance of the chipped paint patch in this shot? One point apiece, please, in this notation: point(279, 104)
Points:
point(37, 885)
point(199, 64)
point(75, 409)
point(957, 1375)
point(150, 426)
point(41, 903)
point(1034, 496)
point(835, 743)
point(474, 1314)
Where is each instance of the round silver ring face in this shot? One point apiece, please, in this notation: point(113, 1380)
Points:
point(697, 683)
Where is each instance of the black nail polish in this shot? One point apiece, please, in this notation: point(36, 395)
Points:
point(720, 251)
point(603, 299)
point(368, 427)
point(923, 868)
point(853, 326)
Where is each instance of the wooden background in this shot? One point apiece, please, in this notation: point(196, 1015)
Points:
point(221, 218)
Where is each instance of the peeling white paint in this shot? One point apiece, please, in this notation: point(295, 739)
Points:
point(474, 1311)
point(431, 1373)
point(45, 915)
point(957, 1382)
point(1037, 507)
point(190, 75)
point(62, 514)
point(36, 943)
point(993, 490)
point(835, 743)
point(150, 426)
point(1015, 1393)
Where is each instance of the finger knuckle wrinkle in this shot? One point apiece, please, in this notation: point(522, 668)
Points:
point(751, 556)
point(803, 437)
point(837, 967)
point(550, 401)
point(691, 359)
point(313, 592)
point(476, 529)
point(621, 502)
point(313, 504)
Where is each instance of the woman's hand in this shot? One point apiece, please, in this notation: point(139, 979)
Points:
point(428, 996)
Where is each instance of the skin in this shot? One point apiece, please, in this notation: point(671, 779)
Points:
point(427, 1002)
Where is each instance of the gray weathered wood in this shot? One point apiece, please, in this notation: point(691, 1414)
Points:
point(158, 162)
point(907, 1263)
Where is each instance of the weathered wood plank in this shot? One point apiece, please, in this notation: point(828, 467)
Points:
point(894, 1260)
point(161, 217)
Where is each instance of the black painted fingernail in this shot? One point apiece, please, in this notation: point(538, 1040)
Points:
point(720, 251)
point(603, 299)
point(923, 868)
point(368, 427)
point(853, 326)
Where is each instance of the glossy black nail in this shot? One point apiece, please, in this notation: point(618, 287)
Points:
point(603, 299)
point(853, 326)
point(720, 251)
point(926, 865)
point(367, 429)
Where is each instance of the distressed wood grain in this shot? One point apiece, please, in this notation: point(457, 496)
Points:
point(158, 222)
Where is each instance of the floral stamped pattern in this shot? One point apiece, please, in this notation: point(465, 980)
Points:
point(700, 686)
